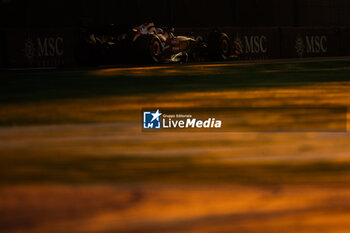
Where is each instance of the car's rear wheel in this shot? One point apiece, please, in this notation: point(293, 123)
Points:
point(155, 49)
point(148, 49)
point(219, 46)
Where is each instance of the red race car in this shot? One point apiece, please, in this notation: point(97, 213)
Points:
point(148, 44)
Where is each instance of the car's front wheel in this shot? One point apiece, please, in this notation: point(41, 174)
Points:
point(219, 46)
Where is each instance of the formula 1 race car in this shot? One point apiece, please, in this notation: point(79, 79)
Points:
point(148, 44)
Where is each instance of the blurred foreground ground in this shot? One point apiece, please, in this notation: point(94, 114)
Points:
point(74, 158)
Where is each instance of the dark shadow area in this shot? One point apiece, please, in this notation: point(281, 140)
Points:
point(180, 13)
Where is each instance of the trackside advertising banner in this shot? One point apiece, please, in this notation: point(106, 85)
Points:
point(39, 47)
point(283, 42)
point(257, 43)
point(309, 42)
point(2, 55)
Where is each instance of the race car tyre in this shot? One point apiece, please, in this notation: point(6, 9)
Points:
point(148, 49)
point(219, 46)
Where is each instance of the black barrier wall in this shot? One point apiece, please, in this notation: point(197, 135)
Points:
point(59, 47)
point(2, 57)
point(39, 48)
point(344, 35)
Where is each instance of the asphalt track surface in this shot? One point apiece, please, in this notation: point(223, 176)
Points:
point(76, 160)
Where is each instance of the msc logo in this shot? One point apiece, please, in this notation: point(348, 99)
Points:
point(151, 120)
point(43, 47)
point(255, 44)
point(311, 45)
